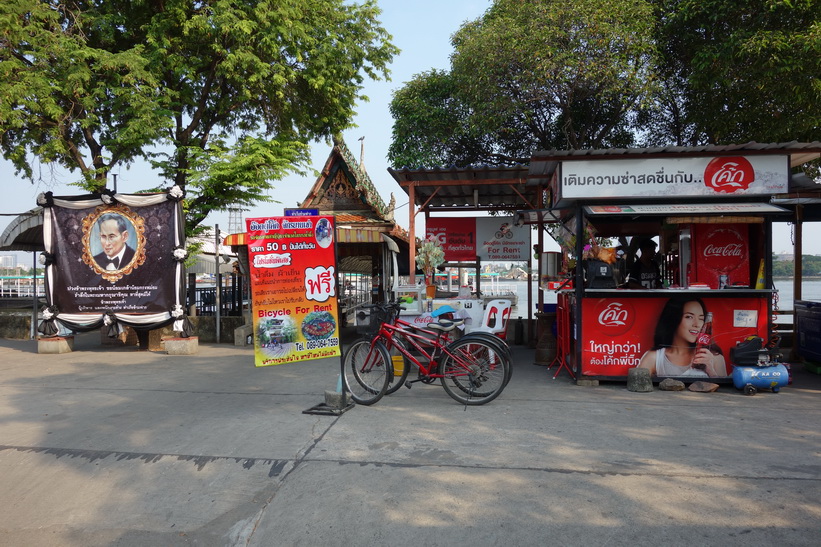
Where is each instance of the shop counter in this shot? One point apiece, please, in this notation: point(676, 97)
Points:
point(617, 327)
point(422, 312)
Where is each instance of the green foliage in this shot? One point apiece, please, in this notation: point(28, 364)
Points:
point(238, 175)
point(429, 256)
point(432, 126)
point(67, 99)
point(740, 71)
point(530, 75)
point(547, 74)
point(810, 267)
point(236, 89)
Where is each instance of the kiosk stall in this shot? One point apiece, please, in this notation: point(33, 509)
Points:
point(707, 222)
point(421, 310)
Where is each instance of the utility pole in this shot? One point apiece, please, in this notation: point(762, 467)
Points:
point(217, 277)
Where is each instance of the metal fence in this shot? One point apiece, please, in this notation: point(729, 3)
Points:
point(234, 296)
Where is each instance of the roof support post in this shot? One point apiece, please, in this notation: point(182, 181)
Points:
point(798, 250)
point(412, 232)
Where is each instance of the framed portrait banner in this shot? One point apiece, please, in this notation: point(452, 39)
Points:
point(108, 259)
point(293, 287)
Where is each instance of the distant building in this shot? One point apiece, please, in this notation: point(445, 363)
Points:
point(8, 261)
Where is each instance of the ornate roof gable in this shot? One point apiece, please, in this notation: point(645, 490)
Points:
point(344, 186)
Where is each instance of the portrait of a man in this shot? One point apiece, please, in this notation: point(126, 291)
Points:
point(114, 233)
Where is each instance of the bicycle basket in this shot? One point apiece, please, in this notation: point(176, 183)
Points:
point(368, 321)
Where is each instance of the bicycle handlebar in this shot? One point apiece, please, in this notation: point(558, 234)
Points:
point(385, 306)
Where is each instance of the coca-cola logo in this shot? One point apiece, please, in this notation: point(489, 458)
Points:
point(723, 249)
point(614, 317)
point(730, 249)
point(728, 175)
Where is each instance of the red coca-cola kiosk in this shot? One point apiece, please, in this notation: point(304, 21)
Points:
point(710, 219)
point(719, 255)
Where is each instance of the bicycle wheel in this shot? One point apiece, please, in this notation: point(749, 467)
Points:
point(497, 343)
point(395, 382)
point(474, 373)
point(366, 370)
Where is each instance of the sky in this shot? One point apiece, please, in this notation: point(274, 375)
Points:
point(421, 30)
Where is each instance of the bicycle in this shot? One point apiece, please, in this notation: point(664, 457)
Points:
point(471, 370)
point(445, 328)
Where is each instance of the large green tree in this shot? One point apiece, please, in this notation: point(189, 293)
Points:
point(432, 125)
point(530, 75)
point(235, 89)
point(738, 71)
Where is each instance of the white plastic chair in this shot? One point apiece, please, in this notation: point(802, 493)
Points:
point(497, 314)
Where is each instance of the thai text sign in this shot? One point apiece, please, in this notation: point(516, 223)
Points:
point(293, 286)
point(488, 238)
point(675, 177)
point(619, 332)
point(113, 258)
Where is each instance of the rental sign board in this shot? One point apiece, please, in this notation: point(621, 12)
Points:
point(293, 287)
point(465, 239)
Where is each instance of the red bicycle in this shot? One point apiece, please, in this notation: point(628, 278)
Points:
point(473, 371)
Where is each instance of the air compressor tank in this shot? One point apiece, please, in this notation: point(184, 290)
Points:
point(751, 379)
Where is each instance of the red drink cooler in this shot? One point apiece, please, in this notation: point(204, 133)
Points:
point(720, 249)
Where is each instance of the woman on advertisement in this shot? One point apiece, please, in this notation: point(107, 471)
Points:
point(674, 351)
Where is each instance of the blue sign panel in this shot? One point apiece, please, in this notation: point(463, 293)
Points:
point(301, 212)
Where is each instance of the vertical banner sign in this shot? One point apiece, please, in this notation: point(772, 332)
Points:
point(293, 286)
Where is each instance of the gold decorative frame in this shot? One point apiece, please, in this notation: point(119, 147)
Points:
point(139, 231)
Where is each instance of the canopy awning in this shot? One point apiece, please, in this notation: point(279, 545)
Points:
point(24, 233)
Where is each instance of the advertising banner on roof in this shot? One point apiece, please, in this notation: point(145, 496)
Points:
point(457, 235)
point(293, 287)
point(724, 176)
point(489, 238)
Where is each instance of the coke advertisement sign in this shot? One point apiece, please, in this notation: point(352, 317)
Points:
point(621, 333)
point(720, 249)
point(615, 317)
point(729, 175)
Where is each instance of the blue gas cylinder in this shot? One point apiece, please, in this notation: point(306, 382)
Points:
point(751, 379)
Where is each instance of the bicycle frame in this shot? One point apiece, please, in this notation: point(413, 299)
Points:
point(387, 332)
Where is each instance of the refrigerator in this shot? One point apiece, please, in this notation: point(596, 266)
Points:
point(715, 255)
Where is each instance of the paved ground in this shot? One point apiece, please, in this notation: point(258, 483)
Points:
point(115, 446)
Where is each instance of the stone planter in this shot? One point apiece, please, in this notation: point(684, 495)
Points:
point(55, 344)
point(182, 346)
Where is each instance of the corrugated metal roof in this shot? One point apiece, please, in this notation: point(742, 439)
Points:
point(488, 187)
point(481, 187)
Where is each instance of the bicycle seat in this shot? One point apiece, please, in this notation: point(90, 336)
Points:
point(446, 325)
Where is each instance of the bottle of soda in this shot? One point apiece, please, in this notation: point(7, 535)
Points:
point(704, 338)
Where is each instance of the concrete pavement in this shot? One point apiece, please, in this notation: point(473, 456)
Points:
point(115, 446)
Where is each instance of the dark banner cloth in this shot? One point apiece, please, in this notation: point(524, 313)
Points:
point(144, 279)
